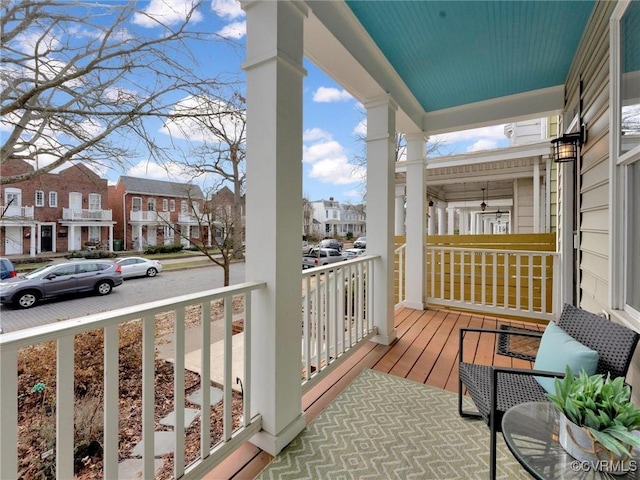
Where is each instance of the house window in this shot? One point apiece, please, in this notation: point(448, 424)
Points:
point(195, 231)
point(625, 176)
point(95, 201)
point(172, 205)
point(136, 204)
point(151, 204)
point(184, 206)
point(39, 198)
point(53, 199)
point(165, 204)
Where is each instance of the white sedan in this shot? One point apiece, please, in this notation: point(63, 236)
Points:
point(139, 267)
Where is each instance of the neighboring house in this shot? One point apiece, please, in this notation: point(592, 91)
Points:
point(327, 213)
point(506, 190)
point(54, 212)
point(354, 220)
point(156, 212)
point(220, 205)
point(307, 218)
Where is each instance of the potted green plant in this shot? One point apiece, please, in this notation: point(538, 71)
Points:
point(597, 419)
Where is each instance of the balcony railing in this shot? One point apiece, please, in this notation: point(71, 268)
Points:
point(85, 214)
point(190, 218)
point(149, 216)
point(14, 212)
point(109, 324)
point(337, 314)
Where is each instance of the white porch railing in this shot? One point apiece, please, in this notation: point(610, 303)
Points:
point(502, 282)
point(63, 334)
point(337, 314)
point(149, 216)
point(85, 214)
point(13, 212)
point(190, 218)
point(400, 264)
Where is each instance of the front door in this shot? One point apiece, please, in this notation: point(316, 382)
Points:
point(13, 241)
point(46, 240)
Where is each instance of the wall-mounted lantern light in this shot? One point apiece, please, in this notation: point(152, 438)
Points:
point(565, 148)
point(483, 205)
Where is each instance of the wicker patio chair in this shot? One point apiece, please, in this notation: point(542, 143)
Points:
point(496, 389)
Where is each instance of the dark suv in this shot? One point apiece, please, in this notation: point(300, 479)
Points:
point(7, 270)
point(99, 276)
point(330, 243)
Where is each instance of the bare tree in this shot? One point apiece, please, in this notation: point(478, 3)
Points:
point(76, 81)
point(216, 226)
point(220, 126)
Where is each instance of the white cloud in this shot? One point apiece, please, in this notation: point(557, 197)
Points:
point(166, 12)
point(322, 150)
point(361, 128)
point(337, 171)
point(495, 132)
point(148, 169)
point(483, 144)
point(28, 42)
point(229, 9)
point(192, 129)
point(312, 134)
point(353, 193)
point(331, 95)
point(235, 30)
point(328, 159)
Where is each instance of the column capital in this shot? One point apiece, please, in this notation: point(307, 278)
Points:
point(383, 100)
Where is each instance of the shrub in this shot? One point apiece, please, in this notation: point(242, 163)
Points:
point(151, 249)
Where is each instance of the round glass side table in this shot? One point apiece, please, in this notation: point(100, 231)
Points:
point(530, 431)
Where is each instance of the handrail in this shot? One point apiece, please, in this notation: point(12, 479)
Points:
point(63, 334)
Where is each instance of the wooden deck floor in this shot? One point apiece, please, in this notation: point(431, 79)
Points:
point(426, 351)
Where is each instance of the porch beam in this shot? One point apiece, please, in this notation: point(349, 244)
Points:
point(274, 69)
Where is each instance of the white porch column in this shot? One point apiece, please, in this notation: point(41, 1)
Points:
point(400, 193)
point(32, 240)
point(464, 222)
point(416, 222)
point(441, 221)
point(139, 238)
point(536, 196)
point(275, 72)
point(432, 220)
point(71, 236)
point(451, 220)
point(381, 123)
point(111, 238)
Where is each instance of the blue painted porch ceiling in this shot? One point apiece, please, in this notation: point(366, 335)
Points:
point(452, 53)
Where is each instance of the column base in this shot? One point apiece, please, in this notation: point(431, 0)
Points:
point(414, 305)
point(273, 444)
point(385, 339)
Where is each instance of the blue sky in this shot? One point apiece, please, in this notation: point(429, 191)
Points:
point(334, 122)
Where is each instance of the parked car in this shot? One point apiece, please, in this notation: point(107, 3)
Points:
point(351, 253)
point(139, 267)
point(330, 243)
point(99, 276)
point(305, 247)
point(7, 270)
point(361, 242)
point(321, 256)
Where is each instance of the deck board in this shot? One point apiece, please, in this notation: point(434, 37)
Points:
point(426, 350)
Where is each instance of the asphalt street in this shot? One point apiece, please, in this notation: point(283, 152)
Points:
point(133, 291)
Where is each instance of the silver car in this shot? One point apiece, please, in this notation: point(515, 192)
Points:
point(99, 276)
point(139, 267)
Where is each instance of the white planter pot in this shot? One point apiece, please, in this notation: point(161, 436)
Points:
point(581, 445)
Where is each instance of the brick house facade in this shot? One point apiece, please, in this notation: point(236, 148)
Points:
point(156, 212)
point(53, 212)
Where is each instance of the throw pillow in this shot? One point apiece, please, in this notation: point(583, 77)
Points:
point(557, 350)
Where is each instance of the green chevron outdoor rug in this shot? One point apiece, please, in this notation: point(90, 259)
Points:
point(386, 427)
